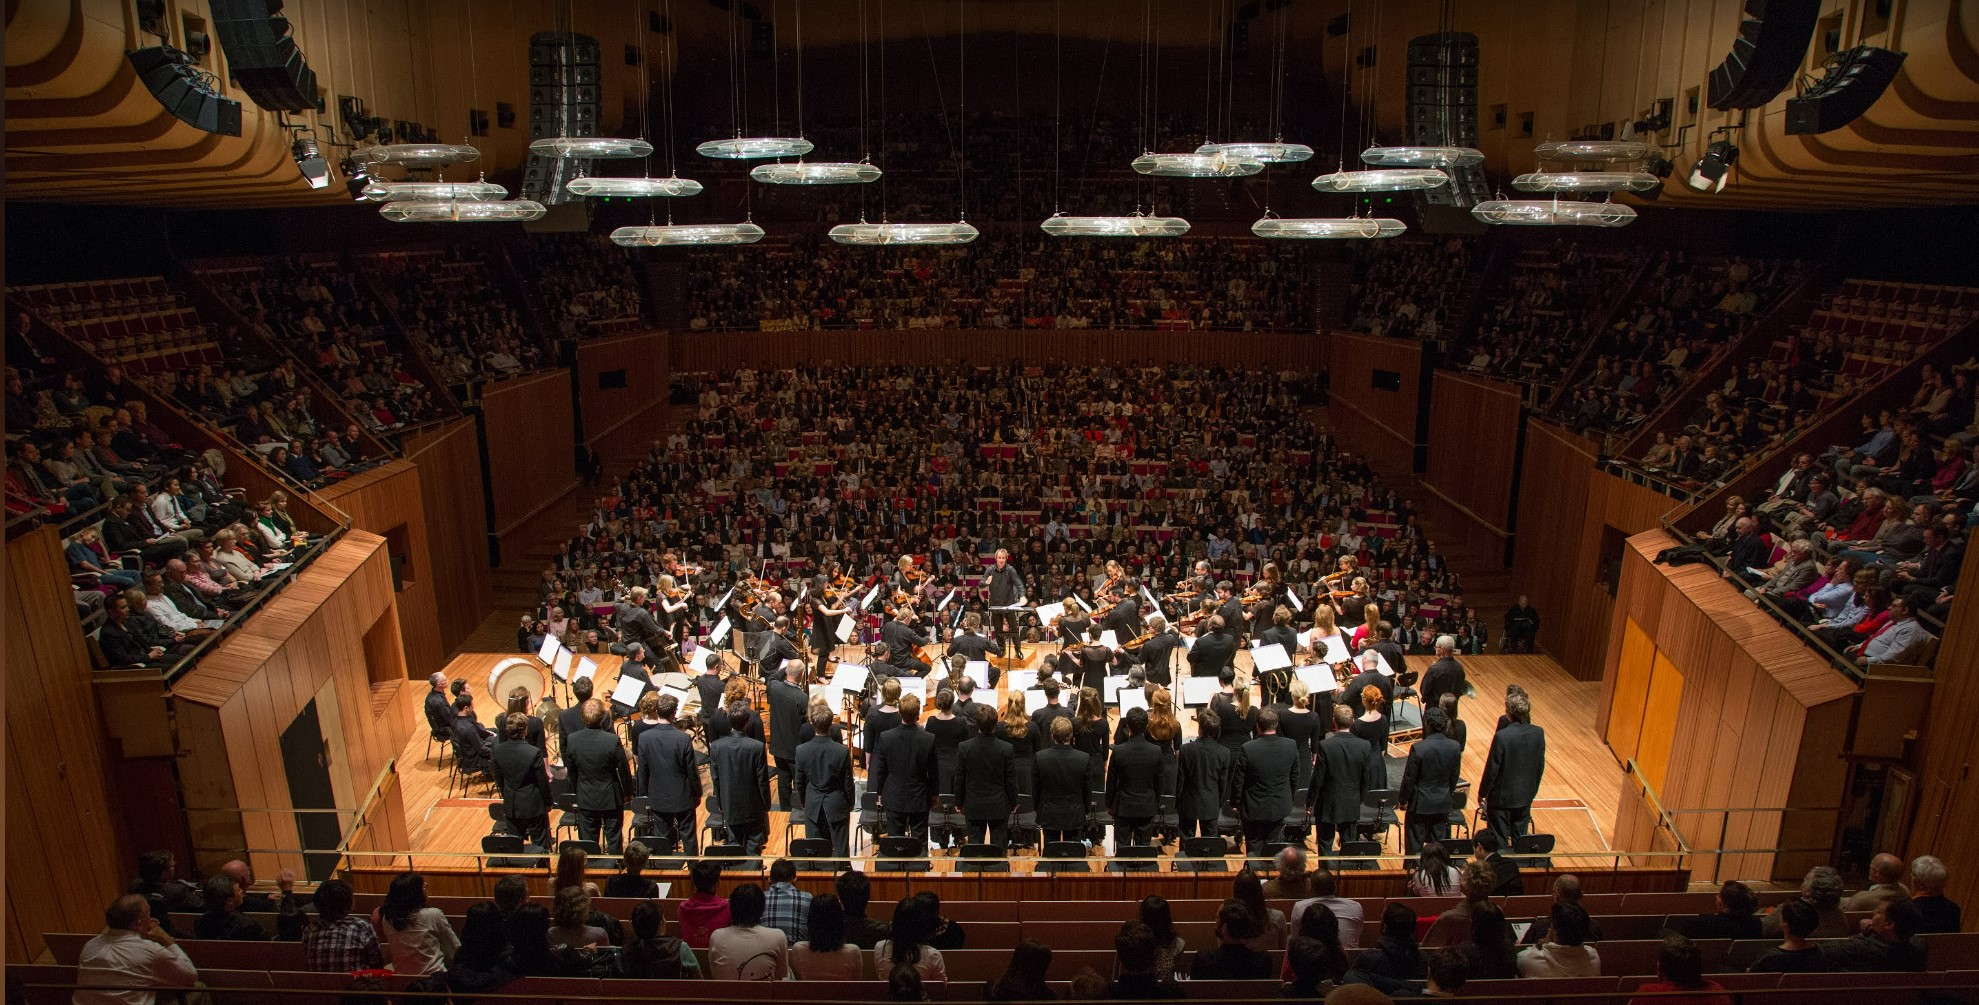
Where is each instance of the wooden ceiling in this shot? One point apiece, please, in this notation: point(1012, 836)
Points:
point(82, 127)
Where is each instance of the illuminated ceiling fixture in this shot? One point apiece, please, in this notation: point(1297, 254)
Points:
point(1133, 225)
point(687, 234)
point(903, 233)
point(417, 155)
point(1268, 153)
point(520, 210)
point(1586, 181)
point(1591, 150)
point(821, 173)
point(1322, 228)
point(634, 188)
point(1553, 213)
point(1436, 157)
point(1381, 180)
point(1197, 165)
point(590, 147)
point(432, 191)
point(746, 148)
point(1713, 171)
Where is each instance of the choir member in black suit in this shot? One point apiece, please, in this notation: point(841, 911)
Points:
point(741, 776)
point(518, 703)
point(599, 776)
point(824, 784)
point(1512, 771)
point(1428, 782)
point(905, 773)
point(570, 721)
point(522, 778)
point(1268, 774)
point(1203, 778)
point(788, 704)
point(671, 781)
point(1346, 768)
point(1052, 709)
point(1213, 648)
point(986, 782)
point(1445, 676)
point(1063, 782)
point(1134, 781)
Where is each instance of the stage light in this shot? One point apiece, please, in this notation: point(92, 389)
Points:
point(356, 177)
point(1712, 172)
point(315, 170)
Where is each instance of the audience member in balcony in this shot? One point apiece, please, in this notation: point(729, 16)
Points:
point(1885, 884)
point(159, 884)
point(223, 918)
point(1888, 942)
point(133, 951)
point(86, 555)
point(1879, 446)
point(41, 480)
point(1564, 952)
point(1937, 913)
point(126, 643)
point(418, 939)
point(1934, 570)
point(228, 553)
point(1821, 887)
point(336, 942)
point(162, 609)
point(1901, 640)
point(209, 575)
point(130, 528)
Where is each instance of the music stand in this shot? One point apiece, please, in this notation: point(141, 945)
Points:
point(731, 857)
point(1204, 854)
point(1064, 856)
point(902, 854)
point(983, 858)
point(814, 854)
point(1135, 858)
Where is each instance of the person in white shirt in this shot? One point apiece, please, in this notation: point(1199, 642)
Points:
point(168, 508)
point(1348, 912)
point(162, 610)
point(826, 956)
point(747, 950)
point(1564, 952)
point(134, 952)
point(418, 940)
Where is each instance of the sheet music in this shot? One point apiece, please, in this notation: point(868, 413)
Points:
point(802, 592)
point(1019, 680)
point(1109, 688)
point(1271, 657)
point(1110, 639)
point(669, 681)
point(871, 595)
point(721, 631)
point(722, 604)
point(1197, 691)
point(702, 660)
point(1082, 603)
point(1392, 670)
point(1133, 698)
point(628, 690)
point(977, 670)
point(1188, 643)
point(1292, 597)
point(1034, 700)
point(944, 601)
point(851, 677)
point(1318, 677)
point(1153, 604)
point(832, 693)
point(586, 667)
point(1010, 607)
point(1335, 650)
point(845, 628)
point(680, 695)
point(916, 686)
point(1047, 612)
point(565, 659)
point(547, 652)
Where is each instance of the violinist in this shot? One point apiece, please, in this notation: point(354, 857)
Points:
point(901, 638)
point(1124, 619)
point(763, 616)
point(1231, 609)
point(1201, 583)
point(1071, 624)
point(1094, 658)
point(1266, 595)
point(779, 646)
point(825, 610)
point(1157, 654)
point(1115, 581)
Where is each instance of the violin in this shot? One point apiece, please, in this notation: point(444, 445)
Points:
point(1137, 641)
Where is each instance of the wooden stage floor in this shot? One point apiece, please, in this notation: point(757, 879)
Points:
point(1577, 800)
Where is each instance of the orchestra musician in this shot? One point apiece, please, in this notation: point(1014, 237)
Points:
point(1202, 583)
point(903, 641)
point(973, 647)
point(1124, 620)
point(1006, 590)
point(635, 623)
point(1280, 633)
point(1214, 648)
point(671, 782)
point(1071, 623)
point(1095, 657)
point(825, 611)
point(1230, 609)
point(1157, 654)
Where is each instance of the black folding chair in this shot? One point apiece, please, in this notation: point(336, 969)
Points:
point(983, 858)
point(1378, 813)
point(902, 854)
point(872, 822)
point(1064, 856)
point(813, 854)
point(1535, 846)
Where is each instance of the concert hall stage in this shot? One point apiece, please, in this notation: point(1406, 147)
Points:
point(1577, 804)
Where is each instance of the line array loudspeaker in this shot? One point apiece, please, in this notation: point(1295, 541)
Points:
point(1854, 80)
point(178, 85)
point(1766, 54)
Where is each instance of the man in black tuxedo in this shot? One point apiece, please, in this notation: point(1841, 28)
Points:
point(1385, 644)
point(1230, 608)
point(1213, 648)
point(986, 782)
point(965, 698)
point(905, 773)
point(1268, 775)
point(788, 705)
point(1063, 775)
point(1445, 676)
point(741, 776)
point(1124, 620)
point(973, 647)
point(570, 721)
point(904, 641)
point(671, 781)
point(824, 784)
point(774, 652)
point(1347, 767)
point(714, 719)
point(1429, 781)
point(1370, 673)
point(522, 777)
point(1158, 654)
point(1134, 781)
point(1006, 589)
point(635, 624)
point(1052, 710)
point(472, 746)
point(599, 776)
point(439, 711)
point(1203, 778)
point(1512, 771)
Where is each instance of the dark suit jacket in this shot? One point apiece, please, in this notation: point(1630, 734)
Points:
point(787, 702)
point(905, 771)
point(972, 647)
point(1346, 769)
point(1380, 680)
point(1514, 766)
point(1203, 780)
point(1005, 585)
point(1043, 716)
point(1435, 766)
point(1211, 654)
point(439, 713)
point(636, 624)
point(824, 779)
point(570, 722)
point(1124, 619)
point(1232, 612)
point(986, 778)
point(741, 775)
point(772, 654)
point(668, 777)
point(1133, 778)
point(1445, 676)
point(1157, 653)
point(598, 772)
point(1063, 777)
point(522, 779)
point(1268, 776)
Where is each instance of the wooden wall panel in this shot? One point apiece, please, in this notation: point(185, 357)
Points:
point(1947, 819)
point(618, 422)
point(450, 493)
point(530, 436)
point(701, 352)
point(383, 500)
point(1747, 714)
point(64, 860)
point(1474, 429)
point(234, 706)
point(1382, 424)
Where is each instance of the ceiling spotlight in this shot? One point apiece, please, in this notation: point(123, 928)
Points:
point(356, 177)
point(315, 170)
point(1712, 172)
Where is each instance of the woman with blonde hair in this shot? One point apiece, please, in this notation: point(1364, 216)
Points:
point(1300, 723)
point(1024, 737)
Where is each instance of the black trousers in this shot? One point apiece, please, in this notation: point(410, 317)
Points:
point(604, 827)
point(1326, 833)
point(750, 834)
point(913, 825)
point(675, 831)
point(535, 830)
point(1005, 627)
point(1198, 828)
point(1258, 833)
point(837, 830)
point(996, 832)
point(909, 665)
point(1508, 822)
point(1131, 830)
point(785, 772)
point(1421, 828)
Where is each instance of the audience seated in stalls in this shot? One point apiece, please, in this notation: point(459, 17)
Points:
point(418, 939)
point(336, 941)
point(482, 964)
point(1024, 979)
point(1136, 975)
point(786, 908)
point(1736, 917)
point(1395, 954)
point(1233, 959)
point(1564, 952)
point(825, 955)
point(653, 954)
point(1796, 953)
point(1885, 885)
point(1346, 911)
point(1887, 942)
point(855, 892)
point(1453, 927)
point(748, 950)
point(1937, 913)
point(631, 880)
point(1679, 967)
point(1822, 887)
point(133, 951)
point(909, 944)
point(570, 919)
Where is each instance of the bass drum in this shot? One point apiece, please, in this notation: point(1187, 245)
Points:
point(514, 672)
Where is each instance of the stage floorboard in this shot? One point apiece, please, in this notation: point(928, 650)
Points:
point(1577, 799)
